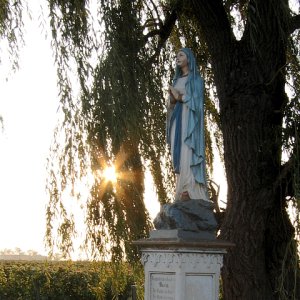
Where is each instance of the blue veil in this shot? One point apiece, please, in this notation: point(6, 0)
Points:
point(194, 136)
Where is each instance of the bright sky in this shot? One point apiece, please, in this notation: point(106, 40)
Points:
point(28, 105)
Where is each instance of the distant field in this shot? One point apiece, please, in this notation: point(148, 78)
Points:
point(17, 257)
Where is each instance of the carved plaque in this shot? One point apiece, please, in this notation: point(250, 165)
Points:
point(162, 286)
point(199, 287)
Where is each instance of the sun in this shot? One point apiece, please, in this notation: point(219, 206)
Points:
point(110, 174)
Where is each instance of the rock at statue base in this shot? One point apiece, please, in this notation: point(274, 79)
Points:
point(191, 215)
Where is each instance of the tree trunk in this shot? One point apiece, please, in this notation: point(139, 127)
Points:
point(256, 219)
point(249, 76)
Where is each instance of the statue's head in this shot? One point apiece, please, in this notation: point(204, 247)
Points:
point(190, 60)
point(181, 59)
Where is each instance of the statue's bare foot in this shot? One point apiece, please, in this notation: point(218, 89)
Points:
point(185, 196)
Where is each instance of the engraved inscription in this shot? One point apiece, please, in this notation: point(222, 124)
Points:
point(162, 286)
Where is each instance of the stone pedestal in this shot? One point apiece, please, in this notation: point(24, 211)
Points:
point(178, 269)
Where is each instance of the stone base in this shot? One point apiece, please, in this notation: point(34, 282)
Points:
point(182, 270)
point(182, 235)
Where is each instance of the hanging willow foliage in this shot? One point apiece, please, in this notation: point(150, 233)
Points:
point(11, 25)
point(123, 69)
point(119, 121)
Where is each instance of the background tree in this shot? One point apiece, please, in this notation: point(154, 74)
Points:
point(248, 51)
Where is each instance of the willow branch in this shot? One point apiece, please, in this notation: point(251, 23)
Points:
point(152, 33)
point(166, 29)
point(156, 11)
point(214, 22)
point(284, 181)
point(294, 23)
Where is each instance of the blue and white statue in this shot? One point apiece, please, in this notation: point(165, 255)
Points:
point(192, 211)
point(185, 128)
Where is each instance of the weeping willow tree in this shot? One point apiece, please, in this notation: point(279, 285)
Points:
point(121, 53)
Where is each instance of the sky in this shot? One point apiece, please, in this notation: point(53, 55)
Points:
point(29, 108)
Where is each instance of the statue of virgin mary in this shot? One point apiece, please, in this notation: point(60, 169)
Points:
point(192, 211)
point(185, 128)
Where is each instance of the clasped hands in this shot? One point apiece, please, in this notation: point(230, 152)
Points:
point(174, 95)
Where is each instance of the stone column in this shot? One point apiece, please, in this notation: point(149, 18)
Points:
point(177, 269)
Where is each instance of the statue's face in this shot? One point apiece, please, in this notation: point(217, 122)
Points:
point(181, 59)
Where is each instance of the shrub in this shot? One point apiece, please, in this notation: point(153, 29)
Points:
point(66, 280)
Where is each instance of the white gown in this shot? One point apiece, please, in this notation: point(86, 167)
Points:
point(185, 179)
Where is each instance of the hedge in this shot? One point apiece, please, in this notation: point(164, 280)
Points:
point(21, 280)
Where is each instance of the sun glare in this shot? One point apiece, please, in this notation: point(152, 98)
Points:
point(110, 174)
